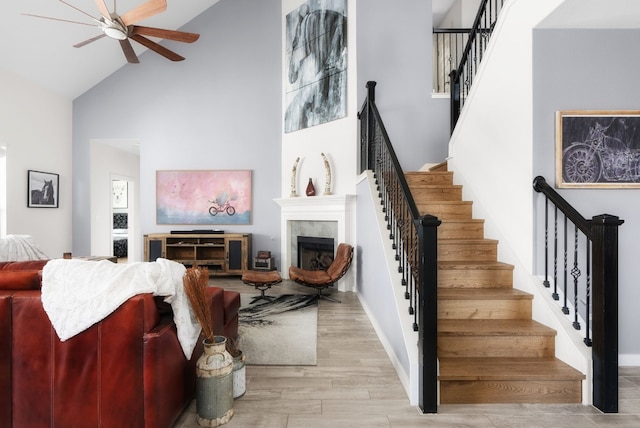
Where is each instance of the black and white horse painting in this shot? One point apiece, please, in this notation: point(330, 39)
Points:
point(317, 64)
point(42, 189)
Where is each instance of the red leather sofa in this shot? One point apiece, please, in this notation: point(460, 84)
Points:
point(126, 371)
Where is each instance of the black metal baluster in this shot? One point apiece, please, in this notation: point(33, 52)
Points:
point(402, 244)
point(565, 308)
point(406, 244)
point(575, 272)
point(392, 212)
point(546, 242)
point(555, 256)
point(413, 270)
point(408, 294)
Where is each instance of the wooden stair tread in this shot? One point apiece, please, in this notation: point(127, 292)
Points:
point(461, 228)
point(506, 368)
point(502, 368)
point(441, 177)
point(441, 167)
point(414, 174)
point(463, 220)
point(483, 294)
point(428, 185)
point(473, 265)
point(430, 193)
point(489, 327)
point(452, 203)
point(462, 241)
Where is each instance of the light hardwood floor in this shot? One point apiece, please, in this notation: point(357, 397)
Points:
point(355, 385)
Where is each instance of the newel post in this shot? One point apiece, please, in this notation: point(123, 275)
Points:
point(428, 313)
point(371, 149)
point(605, 312)
point(454, 89)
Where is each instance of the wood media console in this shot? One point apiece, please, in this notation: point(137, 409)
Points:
point(221, 253)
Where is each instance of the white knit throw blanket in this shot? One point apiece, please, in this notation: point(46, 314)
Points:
point(76, 294)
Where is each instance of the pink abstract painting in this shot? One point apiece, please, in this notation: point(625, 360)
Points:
point(203, 197)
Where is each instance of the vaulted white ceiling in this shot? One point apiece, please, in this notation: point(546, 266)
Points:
point(41, 50)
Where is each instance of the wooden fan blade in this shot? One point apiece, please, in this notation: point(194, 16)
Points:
point(57, 19)
point(104, 10)
point(129, 53)
point(156, 47)
point(150, 8)
point(86, 42)
point(178, 36)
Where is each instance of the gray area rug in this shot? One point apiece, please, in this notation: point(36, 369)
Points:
point(281, 332)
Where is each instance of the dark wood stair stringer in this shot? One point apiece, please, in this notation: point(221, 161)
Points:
point(490, 349)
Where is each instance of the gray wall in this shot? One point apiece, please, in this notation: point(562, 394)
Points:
point(394, 49)
point(378, 287)
point(218, 109)
point(591, 70)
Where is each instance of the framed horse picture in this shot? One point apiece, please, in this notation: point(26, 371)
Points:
point(42, 189)
point(316, 45)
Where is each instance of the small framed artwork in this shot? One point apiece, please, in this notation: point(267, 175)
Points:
point(42, 189)
point(598, 149)
point(120, 194)
point(203, 197)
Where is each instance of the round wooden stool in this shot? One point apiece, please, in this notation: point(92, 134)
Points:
point(261, 280)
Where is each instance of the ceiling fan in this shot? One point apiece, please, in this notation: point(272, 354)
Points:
point(122, 28)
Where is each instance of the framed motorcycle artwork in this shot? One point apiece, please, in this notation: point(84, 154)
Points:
point(598, 149)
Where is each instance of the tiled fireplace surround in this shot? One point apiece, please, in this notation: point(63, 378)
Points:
point(329, 216)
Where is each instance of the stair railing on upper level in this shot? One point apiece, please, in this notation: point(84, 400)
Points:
point(595, 298)
point(414, 239)
point(448, 46)
point(462, 77)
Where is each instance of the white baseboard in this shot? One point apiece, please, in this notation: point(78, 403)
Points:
point(629, 360)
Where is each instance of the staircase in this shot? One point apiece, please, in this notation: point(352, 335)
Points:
point(490, 349)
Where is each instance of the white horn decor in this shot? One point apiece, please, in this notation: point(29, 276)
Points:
point(327, 179)
point(294, 193)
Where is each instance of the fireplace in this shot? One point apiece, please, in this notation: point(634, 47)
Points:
point(315, 253)
point(329, 216)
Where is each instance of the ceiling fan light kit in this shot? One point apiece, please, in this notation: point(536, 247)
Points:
point(115, 30)
point(122, 28)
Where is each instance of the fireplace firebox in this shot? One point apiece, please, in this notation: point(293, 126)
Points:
point(315, 253)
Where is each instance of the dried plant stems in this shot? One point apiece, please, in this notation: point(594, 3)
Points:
point(196, 281)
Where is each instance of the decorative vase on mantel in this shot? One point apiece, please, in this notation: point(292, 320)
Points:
point(311, 190)
point(214, 384)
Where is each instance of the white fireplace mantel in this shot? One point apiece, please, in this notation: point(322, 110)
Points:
point(337, 208)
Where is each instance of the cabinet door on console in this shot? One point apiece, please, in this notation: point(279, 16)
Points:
point(154, 249)
point(234, 255)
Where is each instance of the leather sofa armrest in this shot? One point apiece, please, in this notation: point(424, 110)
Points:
point(231, 305)
point(164, 369)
